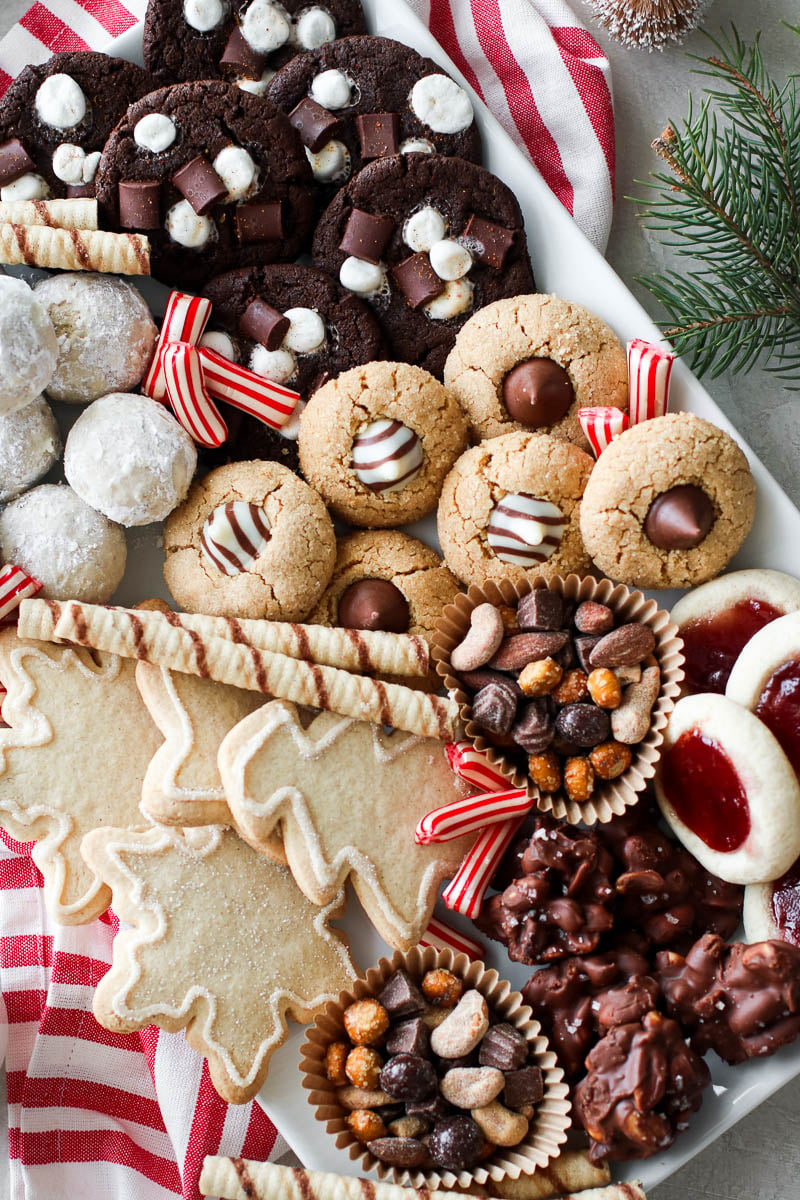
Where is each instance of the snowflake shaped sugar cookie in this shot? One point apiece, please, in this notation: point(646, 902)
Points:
point(346, 797)
point(73, 758)
point(221, 944)
point(182, 784)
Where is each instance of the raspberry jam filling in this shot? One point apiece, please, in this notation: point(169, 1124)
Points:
point(702, 785)
point(779, 708)
point(786, 904)
point(712, 645)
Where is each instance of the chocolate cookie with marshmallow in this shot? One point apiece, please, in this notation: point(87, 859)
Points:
point(241, 41)
point(55, 119)
point(215, 178)
point(426, 240)
point(362, 98)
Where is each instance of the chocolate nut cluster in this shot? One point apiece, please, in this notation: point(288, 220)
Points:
point(565, 691)
point(430, 1077)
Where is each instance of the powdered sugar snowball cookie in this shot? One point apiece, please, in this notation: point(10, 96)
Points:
point(530, 362)
point(28, 345)
point(75, 552)
point(378, 442)
point(669, 503)
point(250, 540)
point(130, 459)
point(510, 509)
point(29, 446)
point(728, 791)
point(105, 333)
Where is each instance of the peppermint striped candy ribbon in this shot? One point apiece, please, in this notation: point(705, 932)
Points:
point(601, 425)
point(186, 391)
point(15, 585)
point(649, 371)
point(185, 320)
point(442, 936)
point(269, 402)
point(470, 815)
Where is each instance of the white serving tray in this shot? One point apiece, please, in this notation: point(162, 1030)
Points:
point(566, 263)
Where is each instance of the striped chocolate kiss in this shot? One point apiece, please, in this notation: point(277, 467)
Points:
point(525, 531)
point(387, 455)
point(234, 536)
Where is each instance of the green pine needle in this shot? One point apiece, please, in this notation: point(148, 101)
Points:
point(731, 203)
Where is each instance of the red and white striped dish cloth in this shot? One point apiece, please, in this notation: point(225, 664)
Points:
point(539, 70)
point(91, 1113)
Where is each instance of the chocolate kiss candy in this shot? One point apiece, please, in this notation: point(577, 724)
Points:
point(679, 519)
point(537, 393)
point(374, 604)
point(200, 184)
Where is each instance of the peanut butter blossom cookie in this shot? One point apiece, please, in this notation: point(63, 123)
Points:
point(243, 41)
point(669, 503)
point(363, 98)
point(250, 540)
point(510, 509)
point(215, 177)
point(378, 441)
point(55, 119)
point(426, 240)
point(530, 362)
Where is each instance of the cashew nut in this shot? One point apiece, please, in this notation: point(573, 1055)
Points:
point(631, 721)
point(485, 633)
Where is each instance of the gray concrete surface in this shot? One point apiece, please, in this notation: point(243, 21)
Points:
point(760, 1158)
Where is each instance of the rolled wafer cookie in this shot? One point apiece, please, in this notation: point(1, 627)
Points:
point(75, 249)
point(58, 214)
point(245, 1179)
point(568, 1175)
point(142, 635)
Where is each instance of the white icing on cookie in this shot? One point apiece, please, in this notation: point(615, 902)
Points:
point(265, 26)
point(60, 102)
point(234, 536)
point(237, 171)
point(387, 455)
point(523, 530)
point(204, 15)
point(331, 162)
point(155, 132)
point(449, 259)
point(256, 87)
point(28, 187)
point(441, 104)
point(278, 365)
point(362, 277)
point(188, 228)
point(456, 299)
point(306, 331)
point(332, 89)
point(424, 228)
point(314, 28)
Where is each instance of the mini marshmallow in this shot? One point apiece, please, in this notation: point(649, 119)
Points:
point(265, 26)
point(441, 104)
point(27, 187)
point(306, 331)
point(256, 87)
point(316, 27)
point(331, 162)
point(454, 300)
point(72, 165)
point(90, 164)
point(220, 342)
point(277, 365)
point(203, 15)
point(450, 260)
point(186, 227)
point(332, 89)
point(155, 132)
point(361, 277)
point(417, 146)
point(60, 102)
point(291, 429)
point(237, 171)
point(424, 228)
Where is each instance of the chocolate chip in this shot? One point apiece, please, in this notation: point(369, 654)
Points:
point(583, 649)
point(537, 393)
point(533, 731)
point(408, 1077)
point(417, 280)
point(491, 242)
point(239, 53)
point(583, 724)
point(494, 707)
point(400, 997)
point(456, 1144)
point(379, 134)
point(200, 184)
point(410, 1037)
point(525, 1086)
point(259, 222)
point(140, 204)
point(503, 1047)
point(540, 609)
point(366, 236)
point(14, 161)
point(264, 324)
point(315, 124)
point(398, 1151)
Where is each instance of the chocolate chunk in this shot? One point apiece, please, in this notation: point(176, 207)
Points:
point(525, 1086)
point(398, 1151)
point(456, 1144)
point(473, 681)
point(379, 134)
point(315, 124)
point(680, 518)
point(410, 1037)
point(584, 725)
point(541, 609)
point(400, 997)
point(14, 161)
point(537, 393)
point(390, 1112)
point(434, 1108)
point(200, 184)
point(408, 1077)
point(259, 222)
point(264, 324)
point(417, 280)
point(366, 236)
point(140, 204)
point(583, 649)
point(80, 191)
point(533, 730)
point(495, 706)
point(239, 53)
point(491, 242)
point(503, 1047)
point(374, 604)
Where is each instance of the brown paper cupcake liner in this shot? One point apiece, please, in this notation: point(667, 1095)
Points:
point(612, 797)
point(551, 1121)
